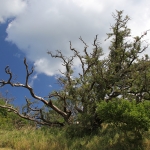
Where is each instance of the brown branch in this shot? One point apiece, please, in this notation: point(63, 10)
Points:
point(12, 109)
point(80, 57)
point(66, 62)
point(78, 109)
point(26, 85)
point(96, 47)
point(27, 71)
point(86, 46)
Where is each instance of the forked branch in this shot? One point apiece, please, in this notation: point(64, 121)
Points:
point(30, 89)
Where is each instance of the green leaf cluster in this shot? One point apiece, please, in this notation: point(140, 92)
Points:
point(125, 114)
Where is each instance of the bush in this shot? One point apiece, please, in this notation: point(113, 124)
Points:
point(129, 116)
point(80, 131)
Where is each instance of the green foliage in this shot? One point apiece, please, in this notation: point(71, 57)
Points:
point(128, 116)
point(10, 121)
point(3, 112)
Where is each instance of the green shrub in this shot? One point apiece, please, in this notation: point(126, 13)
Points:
point(129, 116)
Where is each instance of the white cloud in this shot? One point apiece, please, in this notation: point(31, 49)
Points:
point(50, 86)
point(50, 25)
point(33, 78)
point(10, 8)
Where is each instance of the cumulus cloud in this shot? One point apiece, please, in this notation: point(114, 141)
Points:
point(11, 8)
point(49, 25)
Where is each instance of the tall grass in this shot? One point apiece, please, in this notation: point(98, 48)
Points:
point(55, 139)
point(31, 139)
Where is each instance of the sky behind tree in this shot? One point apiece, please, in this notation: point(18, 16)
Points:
point(30, 28)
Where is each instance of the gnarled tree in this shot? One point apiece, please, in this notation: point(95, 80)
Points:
point(121, 74)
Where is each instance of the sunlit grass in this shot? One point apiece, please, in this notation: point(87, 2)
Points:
point(30, 139)
point(54, 139)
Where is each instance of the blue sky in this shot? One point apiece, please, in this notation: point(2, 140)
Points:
point(12, 56)
point(30, 28)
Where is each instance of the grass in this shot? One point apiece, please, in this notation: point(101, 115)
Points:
point(29, 139)
point(51, 139)
point(5, 149)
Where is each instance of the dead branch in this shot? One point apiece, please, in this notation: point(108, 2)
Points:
point(28, 87)
point(79, 56)
point(86, 46)
point(12, 109)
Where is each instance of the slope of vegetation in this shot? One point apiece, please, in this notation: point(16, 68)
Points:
point(19, 134)
point(50, 139)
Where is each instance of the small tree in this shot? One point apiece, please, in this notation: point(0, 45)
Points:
point(118, 75)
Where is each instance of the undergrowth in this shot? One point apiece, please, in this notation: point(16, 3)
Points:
point(108, 138)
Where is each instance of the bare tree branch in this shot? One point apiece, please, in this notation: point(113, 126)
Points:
point(26, 85)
